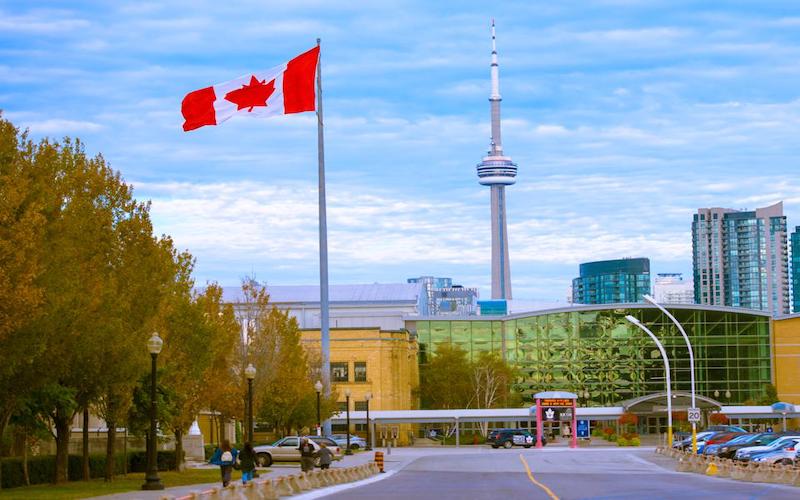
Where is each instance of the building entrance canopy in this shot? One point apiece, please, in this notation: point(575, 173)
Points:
point(656, 403)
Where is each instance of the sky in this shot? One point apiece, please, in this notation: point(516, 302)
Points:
point(624, 118)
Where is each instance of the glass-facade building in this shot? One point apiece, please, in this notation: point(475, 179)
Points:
point(596, 349)
point(617, 281)
point(741, 258)
point(796, 270)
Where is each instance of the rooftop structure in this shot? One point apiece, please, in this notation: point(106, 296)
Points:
point(671, 288)
point(612, 281)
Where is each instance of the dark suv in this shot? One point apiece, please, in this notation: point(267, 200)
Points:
point(512, 437)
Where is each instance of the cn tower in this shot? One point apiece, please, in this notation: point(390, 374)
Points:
point(498, 171)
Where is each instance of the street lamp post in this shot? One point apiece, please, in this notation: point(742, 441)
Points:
point(250, 374)
point(318, 388)
point(369, 432)
point(348, 451)
point(650, 299)
point(666, 365)
point(152, 481)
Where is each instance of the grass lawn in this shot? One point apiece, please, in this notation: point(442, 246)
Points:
point(97, 487)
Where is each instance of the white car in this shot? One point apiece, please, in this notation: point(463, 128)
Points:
point(744, 454)
point(783, 455)
point(286, 450)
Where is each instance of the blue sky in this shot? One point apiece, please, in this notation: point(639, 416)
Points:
point(623, 116)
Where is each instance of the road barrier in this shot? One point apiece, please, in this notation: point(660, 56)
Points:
point(727, 468)
point(283, 486)
point(379, 460)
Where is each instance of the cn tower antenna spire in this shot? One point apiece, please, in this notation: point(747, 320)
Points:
point(498, 171)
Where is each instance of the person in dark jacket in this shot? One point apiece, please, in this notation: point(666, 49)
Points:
point(306, 455)
point(247, 462)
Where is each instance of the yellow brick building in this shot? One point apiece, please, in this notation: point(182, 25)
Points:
point(786, 358)
point(383, 363)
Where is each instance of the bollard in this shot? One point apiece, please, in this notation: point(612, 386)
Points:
point(379, 460)
point(712, 469)
point(268, 491)
point(325, 476)
point(724, 468)
point(283, 487)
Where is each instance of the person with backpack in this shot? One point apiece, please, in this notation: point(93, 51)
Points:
point(225, 457)
point(247, 462)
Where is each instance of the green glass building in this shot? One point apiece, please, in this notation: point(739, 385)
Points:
point(595, 349)
point(619, 281)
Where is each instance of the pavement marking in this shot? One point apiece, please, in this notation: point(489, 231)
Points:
point(534, 481)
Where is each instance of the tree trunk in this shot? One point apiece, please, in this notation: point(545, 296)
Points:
point(62, 423)
point(111, 442)
point(179, 462)
point(85, 432)
point(25, 472)
point(5, 416)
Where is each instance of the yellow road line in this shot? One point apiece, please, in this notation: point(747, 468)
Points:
point(534, 481)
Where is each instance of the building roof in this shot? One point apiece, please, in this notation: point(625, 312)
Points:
point(592, 307)
point(372, 293)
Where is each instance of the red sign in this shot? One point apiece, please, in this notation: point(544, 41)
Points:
point(557, 402)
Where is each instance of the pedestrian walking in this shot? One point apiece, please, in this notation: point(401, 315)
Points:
point(247, 462)
point(225, 457)
point(325, 456)
point(306, 455)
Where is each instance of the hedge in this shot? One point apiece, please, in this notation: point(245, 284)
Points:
point(42, 469)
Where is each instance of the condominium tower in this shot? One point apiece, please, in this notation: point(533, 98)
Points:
point(796, 269)
point(741, 258)
point(612, 281)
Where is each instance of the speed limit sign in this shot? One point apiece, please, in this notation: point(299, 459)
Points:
point(694, 414)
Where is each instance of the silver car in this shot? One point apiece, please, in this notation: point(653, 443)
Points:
point(785, 454)
point(744, 454)
point(287, 450)
point(356, 442)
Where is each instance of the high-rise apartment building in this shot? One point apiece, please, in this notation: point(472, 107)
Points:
point(796, 269)
point(671, 288)
point(441, 297)
point(741, 258)
point(612, 281)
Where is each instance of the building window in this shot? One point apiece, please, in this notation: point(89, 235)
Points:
point(339, 372)
point(361, 406)
point(342, 406)
point(360, 371)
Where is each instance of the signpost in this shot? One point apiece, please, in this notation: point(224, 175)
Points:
point(583, 429)
point(555, 406)
point(694, 415)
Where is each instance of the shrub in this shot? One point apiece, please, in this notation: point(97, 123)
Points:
point(138, 461)
point(42, 469)
point(628, 419)
point(611, 437)
point(719, 418)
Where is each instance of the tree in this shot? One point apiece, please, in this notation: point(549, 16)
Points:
point(445, 382)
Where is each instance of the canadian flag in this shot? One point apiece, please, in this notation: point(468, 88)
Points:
point(288, 88)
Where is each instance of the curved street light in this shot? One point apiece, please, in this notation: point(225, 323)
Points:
point(651, 300)
point(666, 365)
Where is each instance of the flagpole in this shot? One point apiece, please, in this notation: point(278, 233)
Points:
point(324, 319)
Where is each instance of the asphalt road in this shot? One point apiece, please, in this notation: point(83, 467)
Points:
point(564, 474)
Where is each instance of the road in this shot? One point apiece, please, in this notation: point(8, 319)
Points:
point(550, 474)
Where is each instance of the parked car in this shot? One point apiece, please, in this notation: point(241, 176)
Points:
point(512, 437)
point(727, 450)
point(726, 428)
point(356, 442)
point(286, 450)
point(717, 440)
point(686, 444)
point(785, 454)
point(745, 454)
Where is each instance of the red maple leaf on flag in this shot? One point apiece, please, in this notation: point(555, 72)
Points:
point(251, 95)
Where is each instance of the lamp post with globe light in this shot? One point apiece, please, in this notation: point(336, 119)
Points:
point(368, 396)
point(250, 374)
point(348, 451)
point(318, 388)
point(152, 481)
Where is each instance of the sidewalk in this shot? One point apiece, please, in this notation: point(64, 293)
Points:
point(275, 470)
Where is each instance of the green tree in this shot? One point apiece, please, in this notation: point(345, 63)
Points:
point(445, 381)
